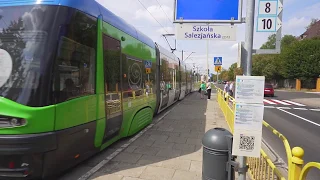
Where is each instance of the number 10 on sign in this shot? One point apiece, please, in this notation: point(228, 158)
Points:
point(268, 20)
point(268, 24)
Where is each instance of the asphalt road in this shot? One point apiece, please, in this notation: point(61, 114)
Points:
point(300, 131)
point(310, 99)
point(296, 95)
point(297, 116)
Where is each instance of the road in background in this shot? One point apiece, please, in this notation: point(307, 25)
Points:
point(298, 121)
point(307, 98)
point(297, 116)
point(300, 127)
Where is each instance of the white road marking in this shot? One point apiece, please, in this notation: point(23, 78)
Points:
point(114, 154)
point(280, 102)
point(269, 102)
point(314, 109)
point(295, 103)
point(269, 107)
point(304, 119)
point(283, 107)
point(305, 109)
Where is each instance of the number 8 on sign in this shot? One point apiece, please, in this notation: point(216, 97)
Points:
point(268, 8)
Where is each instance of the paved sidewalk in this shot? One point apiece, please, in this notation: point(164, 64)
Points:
point(171, 149)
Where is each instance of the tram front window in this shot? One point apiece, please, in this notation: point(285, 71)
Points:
point(30, 41)
point(25, 50)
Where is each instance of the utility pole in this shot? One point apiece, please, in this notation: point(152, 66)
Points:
point(182, 56)
point(247, 63)
point(248, 46)
point(197, 73)
point(207, 59)
point(217, 76)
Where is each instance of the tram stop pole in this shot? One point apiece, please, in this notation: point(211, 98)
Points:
point(247, 61)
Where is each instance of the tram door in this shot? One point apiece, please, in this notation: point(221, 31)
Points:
point(113, 90)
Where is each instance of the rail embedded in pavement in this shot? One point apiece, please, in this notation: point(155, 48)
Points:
point(263, 168)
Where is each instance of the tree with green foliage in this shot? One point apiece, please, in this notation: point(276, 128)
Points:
point(302, 59)
point(234, 71)
point(287, 40)
point(231, 71)
point(223, 75)
point(272, 65)
point(298, 59)
point(271, 42)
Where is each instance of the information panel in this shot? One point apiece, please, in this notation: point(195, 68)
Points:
point(249, 116)
point(249, 89)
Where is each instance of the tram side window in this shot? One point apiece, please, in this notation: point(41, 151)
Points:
point(134, 78)
point(177, 77)
point(75, 60)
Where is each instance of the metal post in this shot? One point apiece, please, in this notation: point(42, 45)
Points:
point(249, 37)
point(247, 64)
point(217, 76)
point(207, 59)
point(182, 56)
point(197, 74)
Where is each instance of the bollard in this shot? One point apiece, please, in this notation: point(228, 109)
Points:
point(216, 157)
point(297, 163)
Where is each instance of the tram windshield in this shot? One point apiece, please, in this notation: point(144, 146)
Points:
point(30, 39)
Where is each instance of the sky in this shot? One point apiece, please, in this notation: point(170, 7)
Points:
point(154, 18)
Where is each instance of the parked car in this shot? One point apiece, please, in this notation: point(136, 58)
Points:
point(268, 90)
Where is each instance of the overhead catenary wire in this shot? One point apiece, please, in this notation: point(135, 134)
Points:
point(160, 23)
point(170, 21)
point(164, 12)
point(152, 16)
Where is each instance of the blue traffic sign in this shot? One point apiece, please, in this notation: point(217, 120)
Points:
point(217, 61)
point(208, 11)
point(148, 64)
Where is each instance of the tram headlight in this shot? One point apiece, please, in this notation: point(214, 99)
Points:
point(6, 122)
point(17, 122)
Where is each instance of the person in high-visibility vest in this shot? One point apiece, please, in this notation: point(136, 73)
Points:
point(203, 89)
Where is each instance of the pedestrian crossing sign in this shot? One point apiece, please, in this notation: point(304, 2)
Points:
point(217, 61)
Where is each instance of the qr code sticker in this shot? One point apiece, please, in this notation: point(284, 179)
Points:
point(246, 142)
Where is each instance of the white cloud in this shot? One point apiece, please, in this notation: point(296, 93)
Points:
point(309, 12)
point(295, 25)
point(166, 30)
point(299, 20)
point(159, 13)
